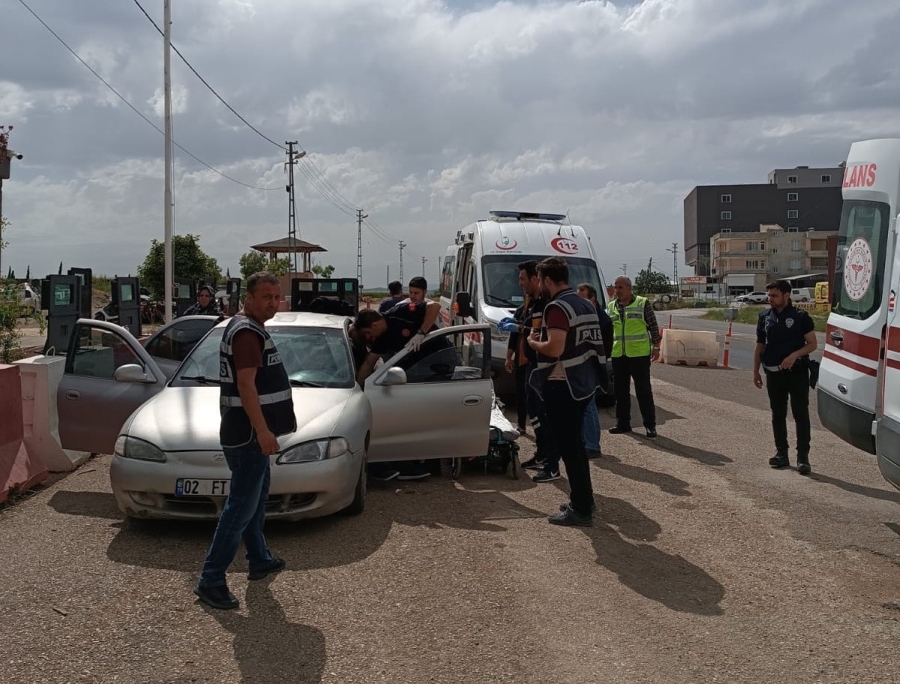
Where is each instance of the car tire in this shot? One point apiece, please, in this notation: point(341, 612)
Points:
point(358, 505)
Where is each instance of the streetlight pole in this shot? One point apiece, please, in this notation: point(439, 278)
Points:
point(169, 269)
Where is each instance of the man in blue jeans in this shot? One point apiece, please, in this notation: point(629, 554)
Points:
point(256, 407)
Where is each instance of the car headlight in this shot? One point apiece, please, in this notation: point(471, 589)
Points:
point(314, 451)
point(129, 447)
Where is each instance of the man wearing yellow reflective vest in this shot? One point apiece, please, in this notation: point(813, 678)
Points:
point(635, 345)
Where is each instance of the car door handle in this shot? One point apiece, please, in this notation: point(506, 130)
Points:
point(73, 394)
point(837, 338)
point(473, 400)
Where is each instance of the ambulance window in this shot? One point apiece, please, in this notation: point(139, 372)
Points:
point(859, 272)
point(447, 277)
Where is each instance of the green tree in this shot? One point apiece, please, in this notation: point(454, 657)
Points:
point(322, 271)
point(652, 282)
point(189, 261)
point(254, 262)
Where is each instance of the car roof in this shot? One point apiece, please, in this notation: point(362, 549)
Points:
point(303, 319)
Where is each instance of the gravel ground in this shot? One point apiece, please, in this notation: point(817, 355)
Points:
point(703, 565)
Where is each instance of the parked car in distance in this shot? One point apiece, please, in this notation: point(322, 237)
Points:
point(753, 298)
point(29, 300)
point(802, 294)
point(164, 434)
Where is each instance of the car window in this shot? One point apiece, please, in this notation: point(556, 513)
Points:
point(99, 353)
point(316, 356)
point(452, 357)
point(176, 342)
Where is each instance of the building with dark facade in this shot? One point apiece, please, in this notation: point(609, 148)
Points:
point(798, 200)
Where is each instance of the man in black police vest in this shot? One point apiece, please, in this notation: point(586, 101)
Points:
point(569, 369)
point(256, 407)
point(785, 337)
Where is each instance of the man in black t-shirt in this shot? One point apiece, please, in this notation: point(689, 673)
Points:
point(785, 337)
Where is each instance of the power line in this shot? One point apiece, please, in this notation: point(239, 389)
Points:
point(133, 108)
point(203, 81)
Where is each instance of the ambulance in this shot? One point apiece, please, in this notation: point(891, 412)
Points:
point(480, 281)
point(859, 381)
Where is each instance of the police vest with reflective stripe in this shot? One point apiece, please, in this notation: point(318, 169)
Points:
point(633, 338)
point(272, 385)
point(583, 359)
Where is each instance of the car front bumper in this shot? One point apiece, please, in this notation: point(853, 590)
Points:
point(146, 489)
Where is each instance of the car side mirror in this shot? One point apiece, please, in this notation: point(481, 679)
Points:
point(393, 376)
point(464, 305)
point(130, 372)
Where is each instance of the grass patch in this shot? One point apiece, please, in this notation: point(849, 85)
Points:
point(750, 315)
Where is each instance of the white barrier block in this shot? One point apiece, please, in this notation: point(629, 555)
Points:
point(689, 348)
point(41, 376)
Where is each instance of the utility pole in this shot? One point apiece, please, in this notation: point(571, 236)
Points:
point(402, 247)
point(423, 266)
point(387, 278)
point(674, 251)
point(440, 272)
point(293, 158)
point(624, 269)
point(169, 268)
point(359, 219)
point(6, 155)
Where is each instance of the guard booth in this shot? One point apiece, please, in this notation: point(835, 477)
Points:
point(185, 295)
point(85, 275)
point(62, 294)
point(325, 295)
point(126, 298)
point(235, 292)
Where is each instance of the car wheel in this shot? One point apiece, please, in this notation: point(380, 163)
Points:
point(358, 505)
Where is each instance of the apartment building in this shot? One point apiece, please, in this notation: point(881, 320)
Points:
point(800, 200)
point(747, 260)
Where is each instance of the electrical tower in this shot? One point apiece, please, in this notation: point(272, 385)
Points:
point(292, 210)
point(423, 266)
point(359, 219)
point(402, 247)
point(674, 251)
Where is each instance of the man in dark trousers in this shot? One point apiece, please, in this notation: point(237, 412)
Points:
point(396, 289)
point(635, 345)
point(256, 407)
point(568, 372)
point(522, 359)
point(785, 337)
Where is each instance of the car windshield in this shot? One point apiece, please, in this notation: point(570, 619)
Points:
point(501, 278)
point(313, 357)
point(861, 256)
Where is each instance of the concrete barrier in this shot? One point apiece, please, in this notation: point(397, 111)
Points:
point(19, 468)
point(689, 348)
point(40, 377)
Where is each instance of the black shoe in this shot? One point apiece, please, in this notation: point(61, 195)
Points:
point(534, 463)
point(651, 433)
point(567, 505)
point(619, 429)
point(382, 473)
point(779, 461)
point(217, 597)
point(546, 476)
point(593, 453)
point(413, 471)
point(277, 565)
point(570, 518)
point(803, 468)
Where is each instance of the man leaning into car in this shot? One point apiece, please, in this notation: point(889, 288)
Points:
point(256, 407)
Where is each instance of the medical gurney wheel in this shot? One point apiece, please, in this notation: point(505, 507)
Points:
point(451, 467)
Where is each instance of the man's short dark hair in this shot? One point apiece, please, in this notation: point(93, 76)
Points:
point(782, 286)
point(530, 267)
point(419, 282)
point(261, 278)
point(554, 268)
point(395, 287)
point(366, 318)
point(590, 289)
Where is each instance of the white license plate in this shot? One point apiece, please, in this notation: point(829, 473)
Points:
point(187, 487)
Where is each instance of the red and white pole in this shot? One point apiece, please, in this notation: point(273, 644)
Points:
point(727, 346)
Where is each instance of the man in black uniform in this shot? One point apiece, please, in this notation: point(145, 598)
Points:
point(785, 337)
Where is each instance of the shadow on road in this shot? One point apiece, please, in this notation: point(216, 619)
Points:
point(90, 504)
point(666, 483)
point(870, 492)
point(670, 446)
point(267, 647)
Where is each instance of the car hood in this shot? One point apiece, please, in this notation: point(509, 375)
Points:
point(187, 418)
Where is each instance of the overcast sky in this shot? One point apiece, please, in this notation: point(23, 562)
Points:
point(427, 115)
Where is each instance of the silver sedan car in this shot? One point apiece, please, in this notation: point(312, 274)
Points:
point(164, 433)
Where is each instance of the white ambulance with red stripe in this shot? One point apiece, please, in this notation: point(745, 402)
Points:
point(859, 382)
point(480, 278)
